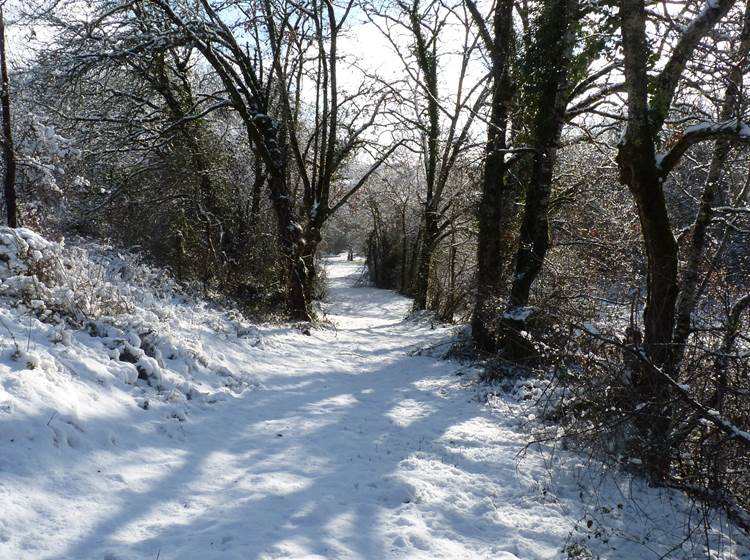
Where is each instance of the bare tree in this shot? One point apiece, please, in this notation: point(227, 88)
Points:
point(648, 104)
point(443, 120)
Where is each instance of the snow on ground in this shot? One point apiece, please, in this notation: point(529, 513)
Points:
point(343, 444)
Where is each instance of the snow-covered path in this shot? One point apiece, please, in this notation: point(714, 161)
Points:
point(350, 447)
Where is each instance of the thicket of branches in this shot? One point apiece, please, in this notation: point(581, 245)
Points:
point(570, 177)
point(604, 247)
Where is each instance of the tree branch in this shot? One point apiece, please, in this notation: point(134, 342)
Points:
point(729, 131)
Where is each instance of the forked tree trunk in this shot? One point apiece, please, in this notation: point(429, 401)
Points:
point(638, 170)
point(293, 246)
point(642, 174)
point(638, 166)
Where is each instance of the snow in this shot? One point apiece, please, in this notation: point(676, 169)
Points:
point(591, 328)
point(742, 130)
point(520, 314)
point(261, 442)
point(731, 125)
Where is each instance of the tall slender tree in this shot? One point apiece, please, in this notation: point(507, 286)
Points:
point(547, 68)
point(494, 198)
point(9, 152)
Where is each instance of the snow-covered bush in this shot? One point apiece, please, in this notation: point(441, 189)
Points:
point(127, 309)
point(27, 254)
point(73, 284)
point(47, 168)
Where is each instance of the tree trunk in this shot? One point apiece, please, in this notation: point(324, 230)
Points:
point(9, 152)
point(413, 260)
point(427, 64)
point(697, 242)
point(302, 283)
point(450, 303)
point(303, 275)
point(638, 170)
point(661, 253)
point(549, 60)
point(424, 264)
point(636, 161)
point(297, 291)
point(489, 242)
point(292, 245)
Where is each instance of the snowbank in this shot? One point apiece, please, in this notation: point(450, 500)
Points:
point(90, 337)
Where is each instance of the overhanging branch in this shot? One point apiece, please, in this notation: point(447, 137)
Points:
point(730, 131)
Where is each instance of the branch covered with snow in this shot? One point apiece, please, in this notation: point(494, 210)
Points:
point(730, 131)
point(666, 82)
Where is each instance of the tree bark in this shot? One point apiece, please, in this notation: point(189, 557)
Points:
point(494, 195)
point(9, 181)
point(549, 64)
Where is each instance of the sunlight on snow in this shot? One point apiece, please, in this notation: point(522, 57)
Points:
point(409, 411)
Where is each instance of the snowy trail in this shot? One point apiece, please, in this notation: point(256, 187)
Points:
point(351, 448)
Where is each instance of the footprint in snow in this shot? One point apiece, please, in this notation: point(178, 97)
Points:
point(399, 542)
point(419, 542)
point(404, 522)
